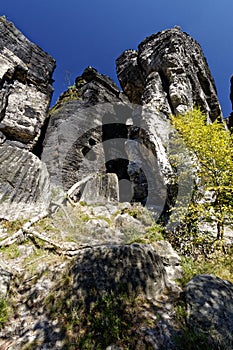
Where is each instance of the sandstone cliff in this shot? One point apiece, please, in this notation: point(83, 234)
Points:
point(85, 271)
point(169, 72)
point(25, 94)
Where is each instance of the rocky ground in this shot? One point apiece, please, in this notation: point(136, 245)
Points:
point(101, 267)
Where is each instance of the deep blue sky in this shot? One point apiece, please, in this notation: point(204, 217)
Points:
point(78, 33)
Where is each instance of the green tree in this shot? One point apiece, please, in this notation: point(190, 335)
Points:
point(212, 146)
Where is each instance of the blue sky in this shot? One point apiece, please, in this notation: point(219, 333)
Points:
point(78, 33)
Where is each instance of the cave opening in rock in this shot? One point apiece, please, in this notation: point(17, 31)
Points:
point(114, 136)
point(119, 167)
point(132, 181)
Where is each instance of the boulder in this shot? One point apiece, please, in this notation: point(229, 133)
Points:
point(24, 184)
point(209, 302)
point(98, 188)
point(119, 268)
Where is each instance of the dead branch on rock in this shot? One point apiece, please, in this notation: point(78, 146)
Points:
point(27, 231)
point(19, 236)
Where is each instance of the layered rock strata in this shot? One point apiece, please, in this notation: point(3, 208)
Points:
point(74, 141)
point(25, 94)
point(170, 73)
point(25, 86)
point(96, 128)
point(24, 184)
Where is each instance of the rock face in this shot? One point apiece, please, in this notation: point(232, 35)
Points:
point(24, 184)
point(73, 146)
point(25, 94)
point(169, 72)
point(230, 117)
point(101, 145)
point(25, 89)
point(95, 129)
point(210, 309)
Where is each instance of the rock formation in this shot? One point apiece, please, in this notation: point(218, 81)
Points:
point(169, 72)
point(107, 133)
point(25, 94)
point(99, 146)
point(230, 117)
point(210, 309)
point(25, 89)
point(73, 142)
point(24, 184)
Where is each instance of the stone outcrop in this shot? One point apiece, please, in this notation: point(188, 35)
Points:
point(103, 267)
point(100, 146)
point(73, 143)
point(25, 86)
point(94, 128)
point(24, 184)
point(96, 188)
point(210, 310)
point(170, 73)
point(25, 94)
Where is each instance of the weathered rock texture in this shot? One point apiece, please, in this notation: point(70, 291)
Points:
point(118, 150)
point(48, 289)
point(94, 128)
point(73, 146)
point(24, 184)
point(170, 73)
point(25, 94)
point(25, 86)
point(134, 268)
point(96, 188)
point(210, 310)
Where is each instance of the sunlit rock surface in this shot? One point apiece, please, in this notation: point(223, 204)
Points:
point(170, 73)
point(24, 184)
point(25, 90)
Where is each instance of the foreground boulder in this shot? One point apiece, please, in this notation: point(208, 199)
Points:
point(134, 268)
point(209, 302)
